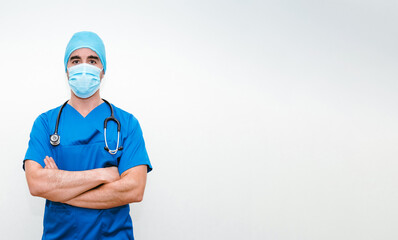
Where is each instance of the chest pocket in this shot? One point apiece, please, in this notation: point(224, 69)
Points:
point(85, 157)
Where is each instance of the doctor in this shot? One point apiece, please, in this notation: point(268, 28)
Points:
point(90, 175)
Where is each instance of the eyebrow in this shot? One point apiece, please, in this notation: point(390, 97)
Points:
point(94, 57)
point(78, 57)
point(75, 57)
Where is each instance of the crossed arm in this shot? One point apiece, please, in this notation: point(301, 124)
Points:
point(97, 188)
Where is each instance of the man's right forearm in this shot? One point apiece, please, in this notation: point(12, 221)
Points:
point(59, 185)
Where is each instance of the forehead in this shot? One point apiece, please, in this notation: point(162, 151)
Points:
point(83, 53)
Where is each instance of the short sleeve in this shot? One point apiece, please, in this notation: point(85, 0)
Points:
point(39, 143)
point(134, 151)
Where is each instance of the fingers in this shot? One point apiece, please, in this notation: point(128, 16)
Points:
point(50, 163)
point(46, 162)
point(53, 164)
point(112, 174)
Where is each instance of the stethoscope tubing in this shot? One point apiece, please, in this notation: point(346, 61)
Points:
point(55, 139)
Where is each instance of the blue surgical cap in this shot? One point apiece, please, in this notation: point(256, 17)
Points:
point(86, 40)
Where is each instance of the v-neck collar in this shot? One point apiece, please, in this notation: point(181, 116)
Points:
point(90, 113)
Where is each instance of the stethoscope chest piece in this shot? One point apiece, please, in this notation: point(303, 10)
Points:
point(55, 139)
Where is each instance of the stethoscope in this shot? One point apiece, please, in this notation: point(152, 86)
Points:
point(55, 139)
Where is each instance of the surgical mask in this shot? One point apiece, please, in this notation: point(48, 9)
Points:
point(84, 79)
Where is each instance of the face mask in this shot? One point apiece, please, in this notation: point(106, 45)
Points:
point(84, 79)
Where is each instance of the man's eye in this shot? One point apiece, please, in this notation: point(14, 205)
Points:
point(75, 61)
point(92, 62)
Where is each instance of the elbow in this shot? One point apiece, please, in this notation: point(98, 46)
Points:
point(139, 197)
point(36, 187)
point(134, 197)
point(33, 185)
point(35, 190)
point(34, 180)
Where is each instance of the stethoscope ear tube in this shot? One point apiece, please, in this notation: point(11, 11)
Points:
point(112, 118)
point(113, 152)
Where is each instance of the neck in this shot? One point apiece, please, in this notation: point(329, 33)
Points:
point(85, 105)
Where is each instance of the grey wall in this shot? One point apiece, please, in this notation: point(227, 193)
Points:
point(263, 119)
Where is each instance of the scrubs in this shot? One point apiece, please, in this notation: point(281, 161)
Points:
point(82, 148)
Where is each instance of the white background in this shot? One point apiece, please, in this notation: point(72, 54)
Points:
point(262, 119)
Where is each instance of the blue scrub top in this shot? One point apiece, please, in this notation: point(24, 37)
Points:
point(82, 148)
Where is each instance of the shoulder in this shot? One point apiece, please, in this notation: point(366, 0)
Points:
point(124, 114)
point(126, 118)
point(49, 115)
point(44, 120)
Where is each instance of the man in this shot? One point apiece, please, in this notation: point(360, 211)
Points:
point(87, 173)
